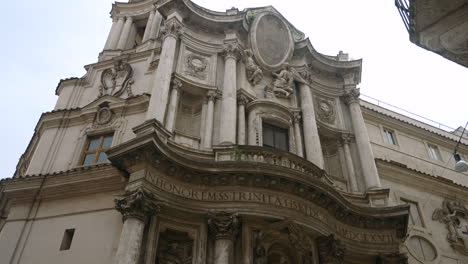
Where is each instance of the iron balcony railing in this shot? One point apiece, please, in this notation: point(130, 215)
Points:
point(405, 13)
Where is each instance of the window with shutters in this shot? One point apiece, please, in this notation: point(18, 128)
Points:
point(275, 137)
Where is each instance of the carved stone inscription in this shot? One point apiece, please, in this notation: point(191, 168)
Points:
point(267, 198)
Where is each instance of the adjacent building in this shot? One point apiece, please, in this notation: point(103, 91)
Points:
point(225, 137)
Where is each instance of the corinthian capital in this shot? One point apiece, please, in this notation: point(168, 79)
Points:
point(231, 50)
point(137, 204)
point(351, 96)
point(224, 225)
point(172, 27)
point(331, 250)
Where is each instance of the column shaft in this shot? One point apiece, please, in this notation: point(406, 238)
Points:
point(223, 251)
point(251, 128)
point(149, 24)
point(156, 25)
point(131, 237)
point(313, 147)
point(241, 124)
point(172, 108)
point(125, 33)
point(350, 168)
point(209, 122)
point(160, 91)
point(298, 137)
point(114, 34)
point(371, 176)
point(227, 133)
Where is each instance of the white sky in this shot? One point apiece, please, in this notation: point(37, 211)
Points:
point(45, 41)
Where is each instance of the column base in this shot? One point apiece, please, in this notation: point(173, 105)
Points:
point(378, 197)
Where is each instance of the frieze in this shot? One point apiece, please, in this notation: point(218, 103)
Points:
point(268, 198)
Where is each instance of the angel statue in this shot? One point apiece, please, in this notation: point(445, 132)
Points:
point(283, 84)
point(254, 73)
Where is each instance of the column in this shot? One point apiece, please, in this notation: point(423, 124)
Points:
point(149, 24)
point(227, 134)
point(114, 34)
point(209, 120)
point(252, 128)
point(173, 103)
point(125, 33)
point(345, 140)
point(224, 227)
point(313, 147)
point(160, 90)
point(330, 250)
point(241, 102)
point(297, 133)
point(135, 207)
point(369, 170)
point(156, 25)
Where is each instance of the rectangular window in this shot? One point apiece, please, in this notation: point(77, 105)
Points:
point(95, 150)
point(275, 137)
point(389, 136)
point(67, 239)
point(415, 216)
point(434, 153)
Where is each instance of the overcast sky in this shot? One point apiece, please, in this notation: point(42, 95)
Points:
point(45, 41)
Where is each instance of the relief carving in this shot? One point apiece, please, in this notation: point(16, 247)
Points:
point(224, 225)
point(116, 80)
point(254, 73)
point(351, 96)
point(174, 247)
point(283, 84)
point(137, 204)
point(196, 66)
point(171, 28)
point(103, 117)
point(326, 110)
point(454, 215)
point(331, 250)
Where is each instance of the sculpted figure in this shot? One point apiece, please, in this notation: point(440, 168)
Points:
point(254, 73)
point(283, 84)
point(171, 255)
point(260, 255)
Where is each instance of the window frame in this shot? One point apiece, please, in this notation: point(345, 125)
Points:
point(275, 129)
point(418, 209)
point(437, 156)
point(98, 150)
point(393, 135)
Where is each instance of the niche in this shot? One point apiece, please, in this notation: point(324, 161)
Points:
point(188, 121)
point(174, 247)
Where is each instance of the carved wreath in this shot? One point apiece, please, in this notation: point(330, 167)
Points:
point(196, 66)
point(326, 110)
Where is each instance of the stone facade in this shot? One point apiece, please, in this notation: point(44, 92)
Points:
point(225, 137)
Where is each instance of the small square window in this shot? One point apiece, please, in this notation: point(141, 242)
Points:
point(67, 239)
point(434, 152)
point(415, 215)
point(96, 148)
point(389, 136)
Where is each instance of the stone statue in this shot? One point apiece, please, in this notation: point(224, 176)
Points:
point(170, 255)
point(254, 73)
point(283, 84)
point(260, 255)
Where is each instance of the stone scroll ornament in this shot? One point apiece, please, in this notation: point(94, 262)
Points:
point(454, 215)
point(253, 71)
point(224, 225)
point(137, 204)
point(116, 80)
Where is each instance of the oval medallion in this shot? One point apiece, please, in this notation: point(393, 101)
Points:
point(271, 40)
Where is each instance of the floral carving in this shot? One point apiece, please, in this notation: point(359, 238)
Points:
point(196, 66)
point(116, 80)
point(352, 96)
point(137, 204)
point(254, 73)
point(171, 28)
point(454, 215)
point(224, 225)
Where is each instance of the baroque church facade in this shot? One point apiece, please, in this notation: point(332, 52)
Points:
point(208, 137)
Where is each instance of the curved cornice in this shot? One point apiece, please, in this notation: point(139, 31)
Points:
point(240, 166)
